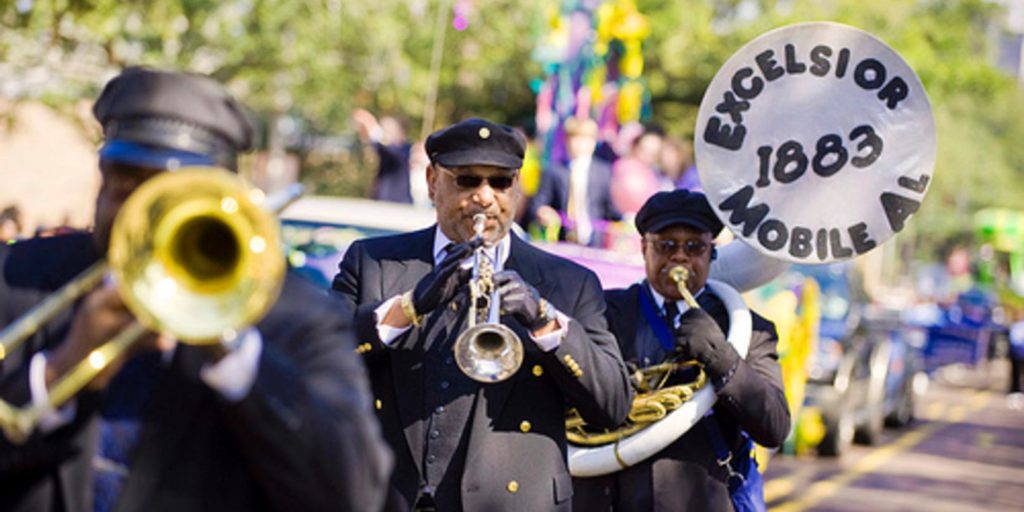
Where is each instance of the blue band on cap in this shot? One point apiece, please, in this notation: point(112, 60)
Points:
point(155, 157)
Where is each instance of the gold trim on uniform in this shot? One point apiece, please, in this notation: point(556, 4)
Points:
point(573, 366)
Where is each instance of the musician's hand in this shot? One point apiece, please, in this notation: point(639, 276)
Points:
point(441, 283)
point(98, 320)
point(521, 300)
point(699, 337)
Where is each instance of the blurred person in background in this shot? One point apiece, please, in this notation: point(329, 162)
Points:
point(392, 182)
point(577, 197)
point(10, 224)
point(277, 418)
point(1015, 400)
point(635, 177)
point(676, 164)
point(418, 163)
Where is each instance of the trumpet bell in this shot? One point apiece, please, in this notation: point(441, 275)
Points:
point(195, 255)
point(489, 352)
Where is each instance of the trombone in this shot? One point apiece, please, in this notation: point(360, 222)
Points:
point(487, 351)
point(193, 254)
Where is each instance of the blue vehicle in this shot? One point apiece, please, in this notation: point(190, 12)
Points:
point(966, 332)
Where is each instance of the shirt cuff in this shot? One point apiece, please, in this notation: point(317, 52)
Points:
point(388, 333)
point(50, 419)
point(234, 374)
point(552, 340)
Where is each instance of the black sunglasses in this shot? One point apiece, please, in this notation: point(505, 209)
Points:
point(667, 247)
point(472, 181)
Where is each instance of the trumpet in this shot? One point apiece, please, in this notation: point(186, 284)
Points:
point(487, 351)
point(193, 254)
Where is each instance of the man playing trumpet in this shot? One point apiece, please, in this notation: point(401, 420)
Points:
point(654, 324)
point(278, 419)
point(462, 444)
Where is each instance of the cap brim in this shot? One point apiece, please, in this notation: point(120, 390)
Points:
point(665, 223)
point(478, 157)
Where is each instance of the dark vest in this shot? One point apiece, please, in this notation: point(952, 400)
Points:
point(449, 398)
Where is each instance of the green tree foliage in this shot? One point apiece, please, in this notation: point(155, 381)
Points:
point(316, 60)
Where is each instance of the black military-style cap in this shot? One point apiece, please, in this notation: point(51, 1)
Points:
point(477, 142)
point(681, 206)
point(177, 111)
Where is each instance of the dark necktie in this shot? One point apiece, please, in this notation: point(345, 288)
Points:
point(443, 253)
point(671, 312)
point(121, 423)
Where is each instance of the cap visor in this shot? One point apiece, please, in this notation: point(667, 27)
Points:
point(676, 221)
point(479, 157)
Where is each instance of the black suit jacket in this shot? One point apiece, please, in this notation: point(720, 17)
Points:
point(685, 476)
point(554, 189)
point(303, 438)
point(499, 449)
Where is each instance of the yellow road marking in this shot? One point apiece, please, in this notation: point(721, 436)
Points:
point(820, 490)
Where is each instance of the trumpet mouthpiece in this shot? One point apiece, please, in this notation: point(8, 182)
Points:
point(679, 274)
point(479, 220)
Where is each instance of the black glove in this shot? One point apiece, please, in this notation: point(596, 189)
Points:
point(521, 300)
point(441, 283)
point(699, 337)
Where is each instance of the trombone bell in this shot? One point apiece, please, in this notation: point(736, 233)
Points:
point(195, 256)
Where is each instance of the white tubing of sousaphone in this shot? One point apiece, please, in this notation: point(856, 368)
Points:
point(602, 460)
point(744, 268)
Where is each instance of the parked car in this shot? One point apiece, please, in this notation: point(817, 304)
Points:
point(863, 373)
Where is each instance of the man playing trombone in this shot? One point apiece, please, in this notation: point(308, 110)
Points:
point(275, 417)
point(461, 444)
point(654, 324)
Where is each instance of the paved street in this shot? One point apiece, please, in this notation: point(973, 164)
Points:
point(964, 453)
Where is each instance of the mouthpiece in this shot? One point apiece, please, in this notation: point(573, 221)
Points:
point(478, 224)
point(680, 274)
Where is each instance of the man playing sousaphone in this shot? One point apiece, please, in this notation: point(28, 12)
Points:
point(653, 324)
